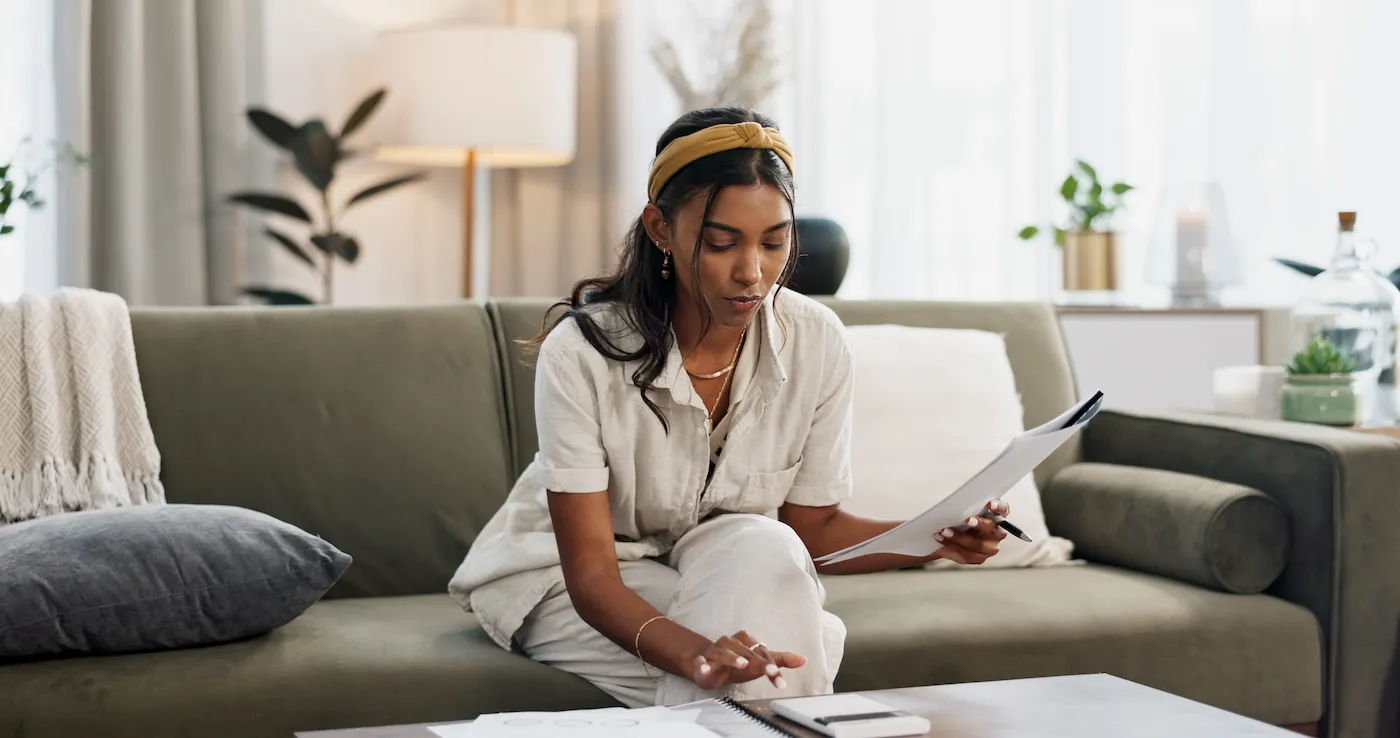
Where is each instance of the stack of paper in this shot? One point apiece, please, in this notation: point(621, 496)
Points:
point(1019, 458)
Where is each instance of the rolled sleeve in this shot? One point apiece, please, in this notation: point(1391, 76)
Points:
point(824, 478)
point(571, 456)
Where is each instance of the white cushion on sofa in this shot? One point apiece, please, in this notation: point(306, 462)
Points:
point(932, 407)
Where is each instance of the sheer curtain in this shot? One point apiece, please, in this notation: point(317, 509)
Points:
point(26, 86)
point(933, 130)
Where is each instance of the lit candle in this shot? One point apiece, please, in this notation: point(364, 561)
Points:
point(1191, 227)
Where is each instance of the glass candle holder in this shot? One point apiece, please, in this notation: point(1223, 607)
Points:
point(1192, 251)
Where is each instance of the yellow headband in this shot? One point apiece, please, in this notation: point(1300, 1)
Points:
point(717, 138)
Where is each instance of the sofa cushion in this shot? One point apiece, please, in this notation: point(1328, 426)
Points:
point(1215, 534)
point(345, 663)
point(933, 407)
point(380, 429)
point(154, 577)
point(1251, 654)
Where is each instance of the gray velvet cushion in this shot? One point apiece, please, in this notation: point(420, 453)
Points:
point(154, 577)
point(1214, 534)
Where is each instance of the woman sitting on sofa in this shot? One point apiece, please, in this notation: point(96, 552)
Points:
point(694, 450)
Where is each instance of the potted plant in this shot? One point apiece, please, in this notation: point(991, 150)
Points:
point(1320, 387)
point(317, 152)
point(1090, 251)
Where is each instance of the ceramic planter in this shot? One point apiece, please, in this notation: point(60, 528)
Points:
point(1325, 399)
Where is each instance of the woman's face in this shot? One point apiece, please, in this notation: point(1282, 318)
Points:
point(743, 247)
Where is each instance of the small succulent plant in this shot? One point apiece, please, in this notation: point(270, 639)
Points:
point(1321, 356)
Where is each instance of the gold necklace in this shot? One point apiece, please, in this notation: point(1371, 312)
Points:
point(710, 411)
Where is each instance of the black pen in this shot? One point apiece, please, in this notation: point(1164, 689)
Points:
point(1009, 527)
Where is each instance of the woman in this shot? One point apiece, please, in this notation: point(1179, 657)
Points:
point(694, 450)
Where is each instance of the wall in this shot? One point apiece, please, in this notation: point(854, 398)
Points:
point(318, 61)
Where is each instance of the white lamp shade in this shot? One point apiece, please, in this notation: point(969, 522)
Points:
point(508, 94)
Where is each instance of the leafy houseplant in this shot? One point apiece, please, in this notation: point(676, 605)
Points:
point(1087, 207)
point(1319, 386)
point(18, 178)
point(1090, 251)
point(317, 152)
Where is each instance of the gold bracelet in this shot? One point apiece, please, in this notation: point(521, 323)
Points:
point(637, 645)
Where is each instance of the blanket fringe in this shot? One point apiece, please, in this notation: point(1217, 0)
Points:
point(58, 486)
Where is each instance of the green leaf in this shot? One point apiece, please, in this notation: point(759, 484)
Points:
point(1096, 192)
point(1121, 188)
point(338, 244)
point(316, 153)
point(362, 112)
point(1060, 235)
point(1084, 166)
point(1069, 188)
point(278, 297)
point(273, 203)
point(6, 229)
point(273, 127)
point(291, 246)
point(385, 186)
point(1028, 233)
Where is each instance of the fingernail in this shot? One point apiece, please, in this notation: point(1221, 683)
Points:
point(704, 668)
point(772, 670)
point(741, 662)
point(972, 522)
point(947, 533)
point(938, 538)
point(780, 683)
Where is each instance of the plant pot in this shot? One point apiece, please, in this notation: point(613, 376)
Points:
point(1091, 261)
point(1324, 399)
point(824, 253)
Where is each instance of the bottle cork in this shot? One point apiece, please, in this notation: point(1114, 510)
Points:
point(1347, 220)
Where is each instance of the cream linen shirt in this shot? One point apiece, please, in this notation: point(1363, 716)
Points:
point(788, 441)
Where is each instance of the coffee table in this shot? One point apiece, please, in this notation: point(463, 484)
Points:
point(1080, 706)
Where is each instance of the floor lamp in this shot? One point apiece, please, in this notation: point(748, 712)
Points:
point(500, 97)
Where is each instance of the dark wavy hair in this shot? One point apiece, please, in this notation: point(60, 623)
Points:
point(646, 301)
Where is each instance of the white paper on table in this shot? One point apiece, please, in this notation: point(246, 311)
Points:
point(914, 537)
point(600, 723)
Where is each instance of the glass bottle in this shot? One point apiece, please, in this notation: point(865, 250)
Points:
point(1354, 307)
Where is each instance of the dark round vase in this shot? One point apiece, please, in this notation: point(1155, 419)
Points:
point(824, 253)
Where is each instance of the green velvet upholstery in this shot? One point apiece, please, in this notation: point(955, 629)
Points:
point(381, 430)
point(1255, 655)
point(1338, 489)
point(346, 663)
point(1211, 533)
point(395, 433)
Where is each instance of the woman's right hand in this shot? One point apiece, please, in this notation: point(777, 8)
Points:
point(740, 658)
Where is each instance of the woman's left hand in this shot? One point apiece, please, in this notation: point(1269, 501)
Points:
point(978, 541)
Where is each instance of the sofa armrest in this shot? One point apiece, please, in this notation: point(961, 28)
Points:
point(1213, 534)
point(1338, 490)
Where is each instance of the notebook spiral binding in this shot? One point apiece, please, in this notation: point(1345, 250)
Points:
point(756, 717)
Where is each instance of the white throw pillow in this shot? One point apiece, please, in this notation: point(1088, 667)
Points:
point(932, 407)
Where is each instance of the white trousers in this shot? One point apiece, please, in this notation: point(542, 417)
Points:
point(733, 572)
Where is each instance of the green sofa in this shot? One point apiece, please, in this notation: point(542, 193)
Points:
point(395, 432)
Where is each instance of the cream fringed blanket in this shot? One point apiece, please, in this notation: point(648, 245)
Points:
point(73, 428)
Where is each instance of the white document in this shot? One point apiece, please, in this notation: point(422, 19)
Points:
point(1020, 457)
point(654, 722)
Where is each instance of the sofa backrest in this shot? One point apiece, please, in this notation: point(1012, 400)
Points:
point(1035, 346)
point(382, 430)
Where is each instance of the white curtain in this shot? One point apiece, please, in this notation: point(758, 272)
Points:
point(933, 130)
point(153, 90)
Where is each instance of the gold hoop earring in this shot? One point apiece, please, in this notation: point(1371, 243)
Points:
point(666, 266)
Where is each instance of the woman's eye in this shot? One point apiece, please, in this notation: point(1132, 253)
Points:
point(720, 246)
point(774, 246)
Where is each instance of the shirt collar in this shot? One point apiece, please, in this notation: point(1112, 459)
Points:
point(770, 373)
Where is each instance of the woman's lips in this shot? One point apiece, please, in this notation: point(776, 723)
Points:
point(744, 304)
